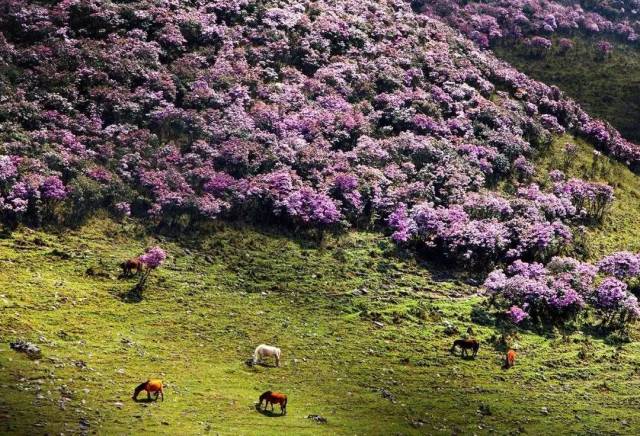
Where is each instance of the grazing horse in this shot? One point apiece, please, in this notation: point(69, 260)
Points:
point(466, 344)
point(510, 359)
point(128, 266)
point(274, 398)
point(151, 385)
point(263, 350)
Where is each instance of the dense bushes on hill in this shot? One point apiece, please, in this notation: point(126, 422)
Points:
point(485, 21)
point(319, 114)
point(565, 287)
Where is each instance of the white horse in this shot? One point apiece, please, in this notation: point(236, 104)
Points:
point(263, 350)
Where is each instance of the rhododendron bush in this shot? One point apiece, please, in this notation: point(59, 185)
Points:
point(488, 20)
point(318, 114)
point(564, 288)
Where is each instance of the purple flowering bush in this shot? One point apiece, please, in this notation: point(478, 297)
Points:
point(490, 20)
point(563, 289)
point(151, 259)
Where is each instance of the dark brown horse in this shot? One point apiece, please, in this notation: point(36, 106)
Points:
point(128, 266)
point(465, 345)
point(274, 398)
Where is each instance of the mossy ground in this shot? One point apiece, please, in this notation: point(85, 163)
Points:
point(222, 293)
point(608, 88)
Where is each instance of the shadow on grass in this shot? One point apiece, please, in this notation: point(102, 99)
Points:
point(268, 413)
point(251, 364)
point(145, 400)
point(133, 295)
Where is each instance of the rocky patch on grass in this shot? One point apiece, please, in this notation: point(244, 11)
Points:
point(317, 419)
point(31, 350)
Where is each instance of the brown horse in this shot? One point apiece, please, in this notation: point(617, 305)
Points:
point(510, 359)
point(128, 266)
point(465, 345)
point(151, 385)
point(274, 398)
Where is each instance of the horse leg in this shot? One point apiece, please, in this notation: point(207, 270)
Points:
point(148, 395)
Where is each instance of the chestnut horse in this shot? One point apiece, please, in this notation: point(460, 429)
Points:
point(510, 359)
point(128, 266)
point(151, 385)
point(466, 344)
point(274, 398)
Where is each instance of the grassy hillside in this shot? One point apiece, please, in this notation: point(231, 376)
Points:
point(608, 89)
point(220, 295)
point(619, 230)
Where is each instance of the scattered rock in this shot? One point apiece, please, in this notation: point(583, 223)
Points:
point(317, 418)
point(450, 329)
point(164, 423)
point(28, 348)
point(378, 324)
point(118, 404)
point(80, 364)
point(544, 410)
point(417, 423)
point(388, 395)
point(120, 371)
point(84, 423)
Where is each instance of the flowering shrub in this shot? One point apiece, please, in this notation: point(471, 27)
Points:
point(486, 21)
point(517, 315)
point(559, 291)
point(620, 265)
point(153, 258)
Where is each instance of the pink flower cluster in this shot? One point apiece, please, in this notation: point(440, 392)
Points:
point(565, 287)
point(488, 20)
point(153, 257)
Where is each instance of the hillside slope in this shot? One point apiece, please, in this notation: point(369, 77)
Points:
point(220, 295)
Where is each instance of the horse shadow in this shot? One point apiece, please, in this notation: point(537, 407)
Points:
point(466, 357)
point(251, 364)
point(268, 413)
point(145, 400)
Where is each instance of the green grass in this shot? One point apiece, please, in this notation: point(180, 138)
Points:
point(608, 89)
point(619, 229)
point(223, 292)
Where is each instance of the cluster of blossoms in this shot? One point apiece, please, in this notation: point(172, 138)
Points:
point(488, 20)
point(485, 226)
point(321, 114)
point(558, 291)
point(153, 257)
